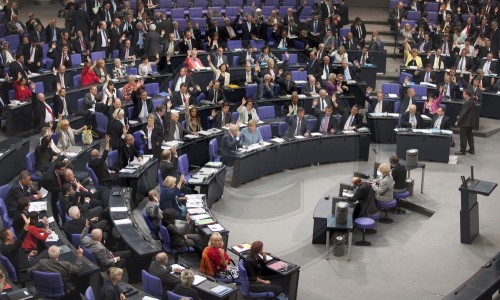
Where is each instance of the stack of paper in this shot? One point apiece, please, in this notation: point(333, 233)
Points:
point(38, 206)
point(299, 137)
point(221, 290)
point(193, 204)
point(216, 227)
point(176, 266)
point(207, 171)
point(241, 248)
point(316, 134)
point(278, 140)
point(204, 132)
point(198, 210)
point(196, 180)
point(213, 164)
point(195, 197)
point(53, 237)
point(171, 144)
point(191, 136)
point(198, 279)
point(123, 222)
point(200, 217)
point(118, 209)
point(205, 222)
point(127, 171)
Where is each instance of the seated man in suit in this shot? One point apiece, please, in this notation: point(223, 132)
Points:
point(349, 72)
point(488, 66)
point(412, 118)
point(127, 151)
point(142, 105)
point(247, 56)
point(351, 120)
point(440, 121)
point(267, 88)
point(287, 85)
point(215, 95)
point(175, 129)
point(230, 142)
point(361, 195)
point(326, 121)
point(297, 124)
point(378, 104)
point(78, 222)
point(322, 101)
point(222, 117)
point(105, 258)
point(427, 76)
point(127, 52)
point(66, 269)
point(219, 58)
point(23, 187)
point(250, 77)
point(312, 87)
point(463, 62)
point(159, 267)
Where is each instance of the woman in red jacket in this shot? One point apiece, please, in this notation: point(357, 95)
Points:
point(219, 258)
point(22, 91)
point(35, 235)
point(88, 74)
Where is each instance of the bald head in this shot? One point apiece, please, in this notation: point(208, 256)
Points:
point(96, 235)
point(94, 153)
point(54, 252)
point(161, 258)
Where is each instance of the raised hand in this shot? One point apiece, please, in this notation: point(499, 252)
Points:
point(169, 104)
point(243, 101)
point(315, 102)
point(369, 90)
point(213, 113)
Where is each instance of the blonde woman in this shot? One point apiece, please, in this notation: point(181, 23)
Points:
point(169, 196)
point(66, 134)
point(110, 289)
point(384, 186)
point(219, 258)
point(412, 58)
point(100, 70)
point(185, 287)
point(339, 55)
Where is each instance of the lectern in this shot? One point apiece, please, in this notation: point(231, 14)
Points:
point(469, 213)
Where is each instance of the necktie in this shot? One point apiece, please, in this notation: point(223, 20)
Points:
point(360, 33)
point(315, 26)
point(295, 109)
point(32, 54)
point(84, 49)
point(126, 53)
point(324, 124)
point(49, 110)
point(144, 109)
point(61, 79)
point(176, 34)
point(427, 77)
point(438, 123)
point(297, 130)
point(215, 96)
point(363, 59)
point(461, 63)
point(222, 119)
point(249, 77)
point(350, 121)
point(108, 17)
point(288, 85)
point(413, 120)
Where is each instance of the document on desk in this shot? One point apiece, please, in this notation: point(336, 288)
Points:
point(393, 96)
point(71, 154)
point(213, 164)
point(118, 209)
point(316, 134)
point(193, 204)
point(170, 144)
point(149, 298)
point(195, 197)
point(348, 131)
point(205, 133)
point(191, 136)
point(221, 290)
point(127, 171)
point(269, 258)
point(207, 171)
point(278, 140)
point(123, 222)
point(444, 131)
point(241, 248)
point(299, 137)
point(195, 211)
point(204, 222)
point(198, 279)
point(196, 179)
point(133, 122)
point(53, 237)
point(199, 217)
point(216, 227)
point(38, 206)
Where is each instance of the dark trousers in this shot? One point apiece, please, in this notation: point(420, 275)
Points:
point(466, 136)
point(261, 288)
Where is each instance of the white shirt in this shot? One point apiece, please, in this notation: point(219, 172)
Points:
point(104, 39)
point(150, 131)
point(348, 122)
point(144, 110)
point(179, 82)
point(409, 104)
point(486, 67)
point(437, 124)
point(48, 116)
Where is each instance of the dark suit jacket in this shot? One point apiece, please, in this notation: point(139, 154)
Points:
point(352, 44)
point(356, 122)
point(126, 154)
point(467, 115)
point(296, 16)
point(109, 292)
point(131, 51)
point(217, 121)
point(51, 183)
point(385, 105)
point(228, 144)
point(285, 87)
point(97, 38)
point(171, 125)
point(468, 63)
point(38, 112)
point(188, 81)
point(16, 68)
point(100, 167)
point(115, 131)
point(56, 56)
point(445, 123)
point(211, 94)
point(246, 34)
point(81, 21)
point(77, 47)
point(169, 168)
point(242, 58)
point(405, 120)
point(153, 43)
point(292, 126)
point(49, 32)
point(432, 76)
point(68, 82)
point(362, 192)
point(353, 70)
point(332, 121)
point(399, 175)
point(355, 33)
point(156, 140)
point(15, 192)
point(314, 68)
point(138, 104)
point(343, 12)
point(168, 280)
